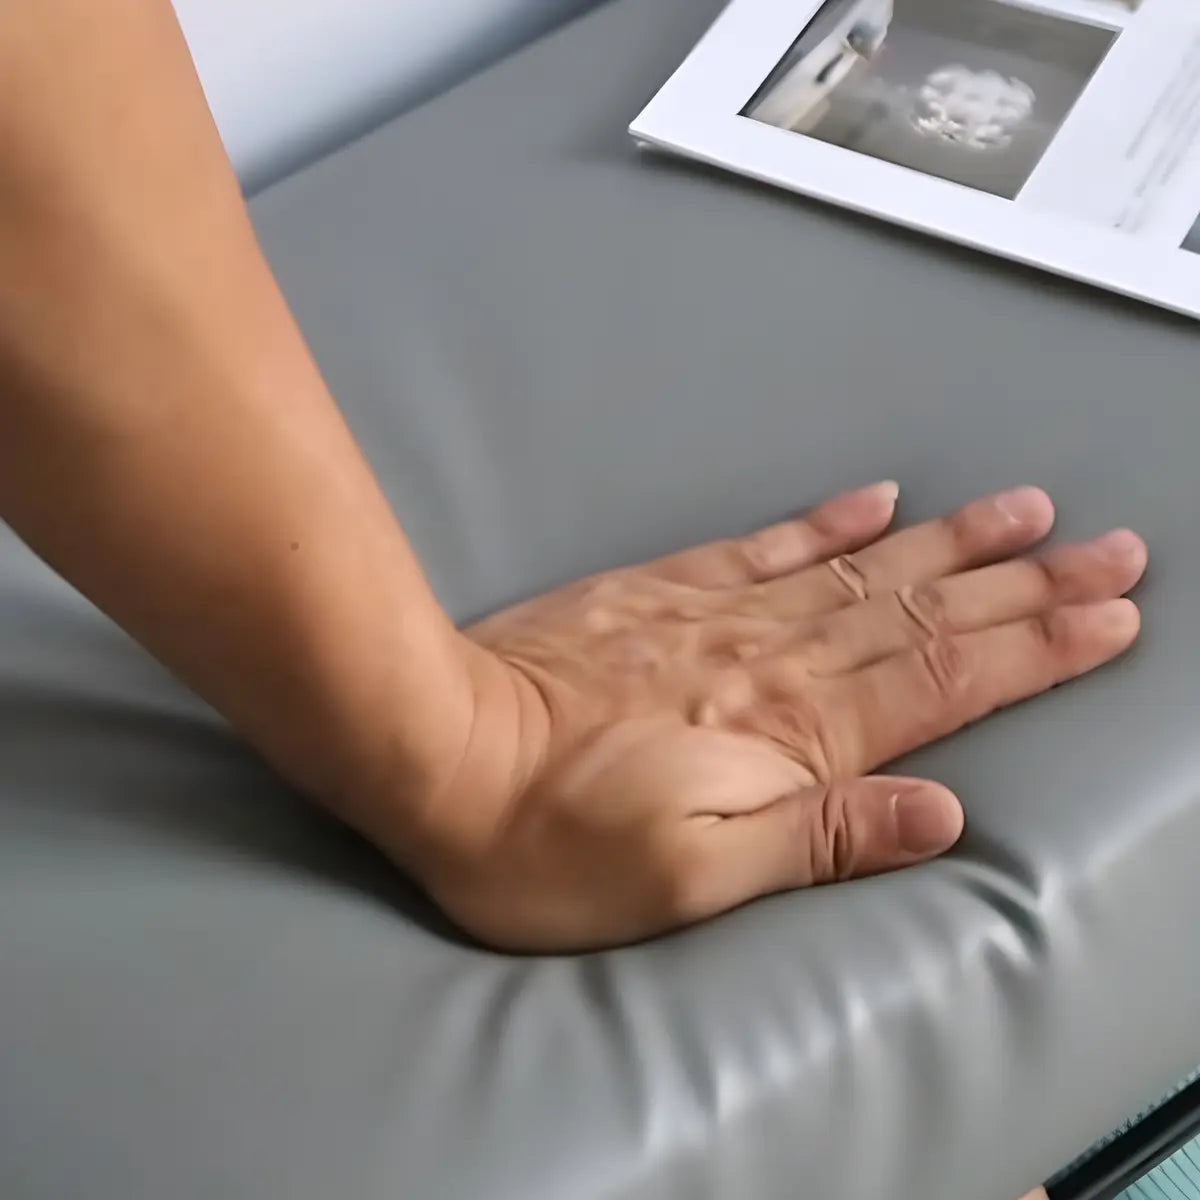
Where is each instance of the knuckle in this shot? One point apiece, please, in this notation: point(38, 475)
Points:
point(1046, 578)
point(820, 642)
point(944, 666)
point(635, 654)
point(1049, 634)
point(925, 608)
point(601, 602)
point(850, 576)
point(832, 843)
point(731, 648)
point(969, 528)
point(604, 589)
point(599, 619)
point(760, 554)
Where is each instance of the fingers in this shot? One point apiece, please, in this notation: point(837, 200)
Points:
point(837, 526)
point(864, 633)
point(985, 531)
point(933, 689)
point(823, 835)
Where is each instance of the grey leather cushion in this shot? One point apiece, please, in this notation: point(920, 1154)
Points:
point(289, 80)
point(561, 355)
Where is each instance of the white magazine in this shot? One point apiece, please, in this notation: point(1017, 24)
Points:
point(1064, 134)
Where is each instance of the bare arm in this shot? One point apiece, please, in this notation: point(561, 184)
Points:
point(166, 439)
point(697, 730)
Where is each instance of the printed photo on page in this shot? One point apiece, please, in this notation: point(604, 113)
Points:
point(1062, 133)
point(972, 91)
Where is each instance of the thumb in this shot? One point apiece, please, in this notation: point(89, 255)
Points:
point(848, 829)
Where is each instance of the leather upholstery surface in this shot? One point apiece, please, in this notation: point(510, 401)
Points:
point(561, 354)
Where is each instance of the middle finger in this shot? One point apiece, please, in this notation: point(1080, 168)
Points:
point(984, 531)
point(857, 636)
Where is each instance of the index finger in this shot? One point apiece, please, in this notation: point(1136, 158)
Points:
point(841, 524)
point(932, 690)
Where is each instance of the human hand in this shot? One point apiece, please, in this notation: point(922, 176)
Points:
point(657, 744)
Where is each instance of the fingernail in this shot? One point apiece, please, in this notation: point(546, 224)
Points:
point(1022, 505)
point(1121, 545)
point(871, 503)
point(927, 820)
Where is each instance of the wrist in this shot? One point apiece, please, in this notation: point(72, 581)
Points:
point(390, 738)
point(471, 773)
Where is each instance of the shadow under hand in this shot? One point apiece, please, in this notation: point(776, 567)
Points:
point(111, 776)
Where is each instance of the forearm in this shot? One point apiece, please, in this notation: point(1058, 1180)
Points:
point(166, 441)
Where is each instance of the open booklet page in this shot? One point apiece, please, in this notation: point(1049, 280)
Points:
point(1065, 133)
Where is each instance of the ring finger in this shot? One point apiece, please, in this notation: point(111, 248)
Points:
point(857, 636)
